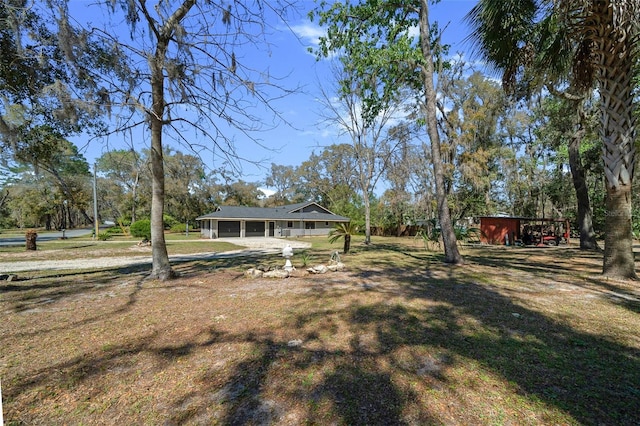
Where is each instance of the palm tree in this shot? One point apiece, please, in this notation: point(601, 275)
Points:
point(584, 43)
point(343, 230)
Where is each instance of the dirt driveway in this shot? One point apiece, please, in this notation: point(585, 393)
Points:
point(252, 247)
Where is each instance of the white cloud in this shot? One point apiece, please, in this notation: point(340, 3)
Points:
point(267, 192)
point(309, 33)
point(414, 32)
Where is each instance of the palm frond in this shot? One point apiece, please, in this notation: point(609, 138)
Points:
point(341, 230)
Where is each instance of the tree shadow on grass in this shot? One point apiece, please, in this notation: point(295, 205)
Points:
point(131, 298)
point(46, 291)
point(193, 267)
point(79, 246)
point(445, 312)
point(354, 390)
point(533, 259)
point(121, 359)
point(363, 396)
point(242, 395)
point(561, 269)
point(54, 286)
point(592, 378)
point(616, 293)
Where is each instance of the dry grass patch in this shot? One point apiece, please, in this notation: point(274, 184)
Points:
point(513, 337)
point(87, 249)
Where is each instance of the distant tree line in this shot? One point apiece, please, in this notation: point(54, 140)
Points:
point(502, 158)
point(427, 139)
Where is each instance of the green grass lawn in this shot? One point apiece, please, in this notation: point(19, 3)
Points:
point(117, 246)
point(19, 233)
point(521, 336)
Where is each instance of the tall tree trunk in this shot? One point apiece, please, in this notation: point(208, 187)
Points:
point(134, 196)
point(4, 198)
point(367, 217)
point(578, 172)
point(451, 252)
point(399, 224)
point(70, 221)
point(614, 49)
point(585, 217)
point(364, 178)
point(618, 251)
point(63, 217)
point(161, 268)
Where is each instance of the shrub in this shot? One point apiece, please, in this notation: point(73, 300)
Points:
point(104, 236)
point(344, 231)
point(112, 231)
point(141, 229)
point(181, 227)
point(305, 258)
point(123, 221)
point(169, 221)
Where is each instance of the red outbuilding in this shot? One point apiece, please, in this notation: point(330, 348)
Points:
point(508, 230)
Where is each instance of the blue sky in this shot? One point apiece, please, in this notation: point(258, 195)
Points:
point(291, 145)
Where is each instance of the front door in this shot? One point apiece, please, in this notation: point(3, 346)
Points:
point(272, 229)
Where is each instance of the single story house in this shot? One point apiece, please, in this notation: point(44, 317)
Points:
point(294, 220)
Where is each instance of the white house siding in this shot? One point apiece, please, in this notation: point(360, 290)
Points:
point(299, 229)
point(209, 228)
point(300, 219)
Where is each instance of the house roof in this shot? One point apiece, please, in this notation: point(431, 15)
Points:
point(306, 212)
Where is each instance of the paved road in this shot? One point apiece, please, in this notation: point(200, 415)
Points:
point(70, 233)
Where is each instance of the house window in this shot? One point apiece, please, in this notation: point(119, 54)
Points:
point(310, 225)
point(289, 224)
point(326, 223)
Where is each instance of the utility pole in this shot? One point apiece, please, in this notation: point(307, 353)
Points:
point(96, 222)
